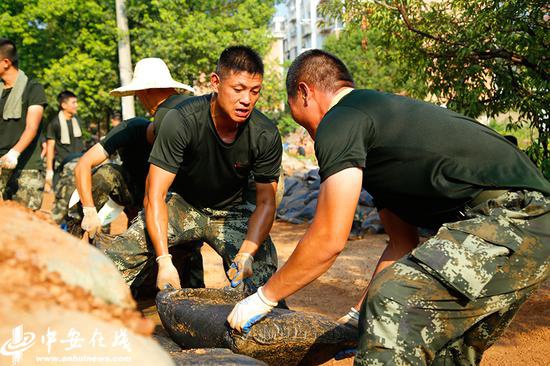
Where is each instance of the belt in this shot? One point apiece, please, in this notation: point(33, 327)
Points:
point(485, 195)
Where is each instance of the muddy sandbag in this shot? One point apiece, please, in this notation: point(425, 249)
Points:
point(30, 237)
point(213, 357)
point(196, 318)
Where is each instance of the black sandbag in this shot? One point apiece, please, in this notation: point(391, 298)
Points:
point(213, 357)
point(196, 318)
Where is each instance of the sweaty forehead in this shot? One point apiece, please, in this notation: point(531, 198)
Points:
point(243, 78)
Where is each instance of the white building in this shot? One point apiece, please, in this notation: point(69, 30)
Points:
point(300, 27)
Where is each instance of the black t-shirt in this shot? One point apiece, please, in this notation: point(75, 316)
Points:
point(211, 173)
point(170, 103)
point(421, 161)
point(129, 139)
point(63, 151)
point(12, 129)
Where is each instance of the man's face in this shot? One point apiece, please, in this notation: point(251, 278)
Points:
point(238, 93)
point(4, 65)
point(70, 105)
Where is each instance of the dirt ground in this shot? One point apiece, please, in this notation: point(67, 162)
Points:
point(526, 342)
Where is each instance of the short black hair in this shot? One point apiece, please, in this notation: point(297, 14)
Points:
point(239, 59)
point(64, 96)
point(117, 116)
point(512, 139)
point(318, 68)
point(9, 50)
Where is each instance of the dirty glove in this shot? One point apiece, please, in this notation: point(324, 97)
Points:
point(351, 318)
point(9, 160)
point(91, 222)
point(249, 311)
point(167, 274)
point(240, 269)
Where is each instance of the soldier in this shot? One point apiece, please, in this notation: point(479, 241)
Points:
point(132, 140)
point(450, 298)
point(22, 103)
point(212, 142)
point(64, 144)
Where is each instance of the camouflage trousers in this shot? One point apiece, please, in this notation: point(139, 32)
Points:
point(223, 230)
point(453, 296)
point(108, 180)
point(25, 186)
point(64, 188)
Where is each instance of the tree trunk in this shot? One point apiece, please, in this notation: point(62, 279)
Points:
point(124, 57)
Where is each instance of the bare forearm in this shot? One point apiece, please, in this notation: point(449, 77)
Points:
point(259, 226)
point(312, 257)
point(50, 151)
point(83, 173)
point(156, 221)
point(25, 140)
point(33, 119)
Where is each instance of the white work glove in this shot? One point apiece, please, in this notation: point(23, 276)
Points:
point(91, 222)
point(249, 311)
point(351, 318)
point(240, 269)
point(9, 160)
point(167, 274)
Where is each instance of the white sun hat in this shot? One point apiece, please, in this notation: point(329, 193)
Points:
point(150, 73)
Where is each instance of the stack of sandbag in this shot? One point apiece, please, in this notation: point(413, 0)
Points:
point(64, 302)
point(196, 318)
point(300, 201)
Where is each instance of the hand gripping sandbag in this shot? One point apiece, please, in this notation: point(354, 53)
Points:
point(196, 318)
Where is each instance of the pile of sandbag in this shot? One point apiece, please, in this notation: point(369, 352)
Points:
point(196, 318)
point(62, 301)
point(300, 200)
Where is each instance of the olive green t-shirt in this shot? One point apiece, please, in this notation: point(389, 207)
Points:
point(422, 161)
point(64, 151)
point(210, 172)
point(12, 129)
point(129, 139)
point(164, 107)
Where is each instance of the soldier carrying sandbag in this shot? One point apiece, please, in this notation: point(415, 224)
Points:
point(445, 301)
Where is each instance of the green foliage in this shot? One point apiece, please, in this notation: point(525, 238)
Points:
point(286, 124)
point(67, 44)
point(481, 57)
point(273, 94)
point(369, 65)
point(190, 35)
point(72, 44)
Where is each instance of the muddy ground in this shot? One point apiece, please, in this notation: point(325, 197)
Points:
point(526, 342)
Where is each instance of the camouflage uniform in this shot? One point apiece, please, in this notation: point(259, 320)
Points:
point(64, 188)
point(224, 230)
point(22, 185)
point(454, 295)
point(111, 180)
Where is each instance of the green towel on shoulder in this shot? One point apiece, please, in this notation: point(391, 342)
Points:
point(14, 104)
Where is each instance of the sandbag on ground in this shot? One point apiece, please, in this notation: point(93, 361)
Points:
point(196, 318)
point(213, 357)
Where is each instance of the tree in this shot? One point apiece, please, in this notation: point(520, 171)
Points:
point(67, 44)
point(480, 57)
point(368, 64)
point(189, 35)
point(124, 57)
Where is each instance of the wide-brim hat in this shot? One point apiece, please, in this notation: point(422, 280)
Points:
point(150, 73)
